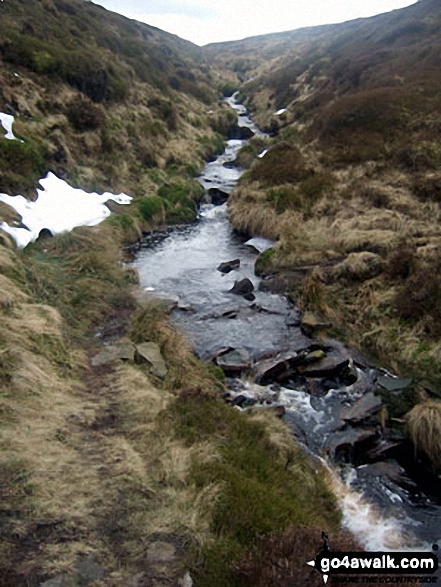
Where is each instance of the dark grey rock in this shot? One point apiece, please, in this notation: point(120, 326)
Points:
point(242, 287)
point(393, 384)
point(217, 196)
point(88, 571)
point(345, 442)
point(250, 297)
point(366, 406)
point(228, 266)
point(234, 362)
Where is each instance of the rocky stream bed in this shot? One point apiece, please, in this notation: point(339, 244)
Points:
point(331, 397)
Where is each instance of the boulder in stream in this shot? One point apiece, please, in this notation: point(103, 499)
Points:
point(217, 196)
point(343, 445)
point(228, 266)
point(234, 362)
point(242, 287)
point(366, 406)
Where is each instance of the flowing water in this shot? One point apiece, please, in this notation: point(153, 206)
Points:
point(380, 511)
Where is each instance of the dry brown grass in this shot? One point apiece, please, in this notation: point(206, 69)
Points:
point(424, 423)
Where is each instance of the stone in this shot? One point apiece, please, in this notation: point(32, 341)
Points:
point(366, 406)
point(161, 553)
point(217, 196)
point(150, 353)
point(346, 442)
point(231, 314)
point(272, 369)
point(331, 365)
point(228, 266)
point(234, 362)
point(186, 581)
point(249, 297)
point(393, 384)
point(113, 353)
point(243, 401)
point(392, 471)
point(88, 571)
point(44, 234)
point(313, 323)
point(242, 287)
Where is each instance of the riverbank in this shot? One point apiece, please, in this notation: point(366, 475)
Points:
point(112, 465)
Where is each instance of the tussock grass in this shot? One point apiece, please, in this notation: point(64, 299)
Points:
point(424, 423)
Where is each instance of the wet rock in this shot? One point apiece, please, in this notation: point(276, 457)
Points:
point(385, 449)
point(113, 353)
point(243, 401)
point(228, 266)
point(313, 323)
point(393, 384)
point(333, 364)
point(259, 244)
point(242, 287)
point(234, 362)
point(185, 307)
point(366, 406)
point(150, 353)
point(272, 369)
point(241, 133)
point(61, 581)
point(390, 470)
point(250, 297)
point(342, 445)
point(232, 314)
point(217, 196)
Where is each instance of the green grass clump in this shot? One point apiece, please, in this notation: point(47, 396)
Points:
point(264, 262)
point(262, 488)
point(151, 207)
point(21, 164)
point(180, 197)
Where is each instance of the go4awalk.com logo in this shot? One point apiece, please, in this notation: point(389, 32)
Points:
point(405, 568)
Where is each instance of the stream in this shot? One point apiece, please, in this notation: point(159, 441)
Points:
point(324, 391)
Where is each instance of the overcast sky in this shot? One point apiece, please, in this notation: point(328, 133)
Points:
point(208, 21)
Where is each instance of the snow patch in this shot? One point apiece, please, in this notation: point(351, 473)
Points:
point(281, 111)
point(7, 121)
point(59, 208)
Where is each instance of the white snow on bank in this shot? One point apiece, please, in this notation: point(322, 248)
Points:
point(281, 111)
point(59, 208)
point(7, 121)
point(263, 154)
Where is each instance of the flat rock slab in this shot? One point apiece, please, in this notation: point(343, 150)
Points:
point(393, 384)
point(349, 439)
point(150, 353)
point(333, 364)
point(113, 353)
point(234, 361)
point(366, 406)
point(259, 244)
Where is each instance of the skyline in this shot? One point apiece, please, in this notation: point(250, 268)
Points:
point(208, 21)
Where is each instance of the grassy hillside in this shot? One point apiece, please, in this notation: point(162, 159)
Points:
point(102, 100)
point(351, 183)
point(114, 472)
